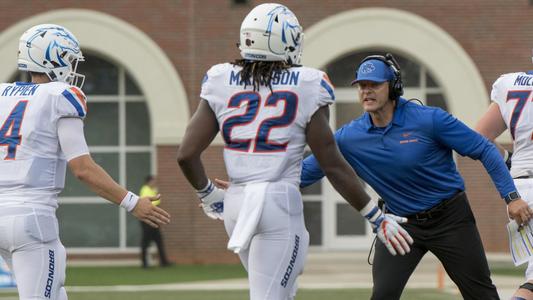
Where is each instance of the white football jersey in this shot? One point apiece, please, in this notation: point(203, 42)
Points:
point(33, 166)
point(513, 93)
point(264, 131)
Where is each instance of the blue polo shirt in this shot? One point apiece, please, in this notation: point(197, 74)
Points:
point(409, 163)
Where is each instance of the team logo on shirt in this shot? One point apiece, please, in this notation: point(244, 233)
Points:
point(408, 138)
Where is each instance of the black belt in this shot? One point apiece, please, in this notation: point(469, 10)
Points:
point(524, 177)
point(435, 211)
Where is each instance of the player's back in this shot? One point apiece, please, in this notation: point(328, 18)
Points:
point(264, 130)
point(33, 167)
point(513, 94)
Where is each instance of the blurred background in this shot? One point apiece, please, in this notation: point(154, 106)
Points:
point(144, 64)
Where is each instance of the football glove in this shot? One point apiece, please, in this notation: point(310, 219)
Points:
point(212, 201)
point(388, 229)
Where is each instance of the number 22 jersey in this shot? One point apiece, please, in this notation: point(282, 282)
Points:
point(32, 163)
point(264, 131)
point(513, 94)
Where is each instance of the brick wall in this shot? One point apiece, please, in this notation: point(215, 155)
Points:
point(197, 34)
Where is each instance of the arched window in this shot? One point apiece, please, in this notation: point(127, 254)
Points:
point(117, 130)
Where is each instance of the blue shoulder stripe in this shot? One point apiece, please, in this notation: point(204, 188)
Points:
point(74, 102)
point(328, 88)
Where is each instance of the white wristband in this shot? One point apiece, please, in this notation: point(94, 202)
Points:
point(129, 201)
point(209, 187)
point(371, 211)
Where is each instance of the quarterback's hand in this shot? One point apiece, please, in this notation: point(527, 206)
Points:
point(149, 213)
point(212, 201)
point(519, 211)
point(392, 235)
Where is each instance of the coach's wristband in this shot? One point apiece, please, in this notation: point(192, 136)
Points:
point(129, 201)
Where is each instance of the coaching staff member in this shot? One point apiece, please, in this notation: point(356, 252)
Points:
point(404, 151)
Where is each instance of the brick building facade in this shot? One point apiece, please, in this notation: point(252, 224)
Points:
point(194, 35)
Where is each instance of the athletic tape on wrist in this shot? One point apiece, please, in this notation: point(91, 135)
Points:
point(371, 211)
point(202, 193)
point(130, 201)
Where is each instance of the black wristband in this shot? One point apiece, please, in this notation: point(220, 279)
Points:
point(512, 196)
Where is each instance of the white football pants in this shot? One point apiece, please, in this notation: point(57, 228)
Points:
point(277, 250)
point(29, 243)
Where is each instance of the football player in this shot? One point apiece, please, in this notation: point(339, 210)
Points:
point(510, 109)
point(266, 107)
point(42, 133)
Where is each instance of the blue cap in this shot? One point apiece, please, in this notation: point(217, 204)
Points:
point(374, 70)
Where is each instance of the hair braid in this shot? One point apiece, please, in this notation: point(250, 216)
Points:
point(260, 73)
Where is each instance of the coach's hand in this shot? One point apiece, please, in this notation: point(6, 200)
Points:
point(519, 211)
point(149, 213)
point(392, 235)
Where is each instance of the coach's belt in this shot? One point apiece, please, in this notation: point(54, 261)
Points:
point(436, 210)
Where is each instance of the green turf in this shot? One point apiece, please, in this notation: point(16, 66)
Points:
point(351, 294)
point(507, 268)
point(83, 276)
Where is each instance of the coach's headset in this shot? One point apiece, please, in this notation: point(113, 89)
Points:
point(396, 84)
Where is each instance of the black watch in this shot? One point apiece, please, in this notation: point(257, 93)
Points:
point(511, 197)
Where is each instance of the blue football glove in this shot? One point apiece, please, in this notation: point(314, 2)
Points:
point(212, 201)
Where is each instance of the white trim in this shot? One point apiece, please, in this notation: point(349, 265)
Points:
point(124, 43)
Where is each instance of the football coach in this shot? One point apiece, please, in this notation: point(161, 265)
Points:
point(403, 150)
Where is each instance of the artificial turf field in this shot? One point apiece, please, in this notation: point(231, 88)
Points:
point(304, 294)
point(132, 275)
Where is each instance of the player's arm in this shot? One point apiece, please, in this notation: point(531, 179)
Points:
point(200, 132)
point(84, 168)
point(334, 166)
point(345, 181)
point(491, 125)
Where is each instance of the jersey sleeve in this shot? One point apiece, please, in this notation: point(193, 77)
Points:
point(71, 103)
point(326, 94)
point(498, 92)
point(209, 83)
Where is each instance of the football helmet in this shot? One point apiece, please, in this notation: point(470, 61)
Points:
point(271, 32)
point(52, 50)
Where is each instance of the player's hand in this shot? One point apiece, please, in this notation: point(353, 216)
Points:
point(213, 202)
point(392, 235)
point(149, 213)
point(519, 211)
point(222, 184)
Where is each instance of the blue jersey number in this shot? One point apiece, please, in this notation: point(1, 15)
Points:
point(262, 144)
point(10, 131)
point(521, 97)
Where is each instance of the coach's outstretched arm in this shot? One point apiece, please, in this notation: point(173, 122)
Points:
point(80, 162)
point(200, 132)
point(345, 181)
